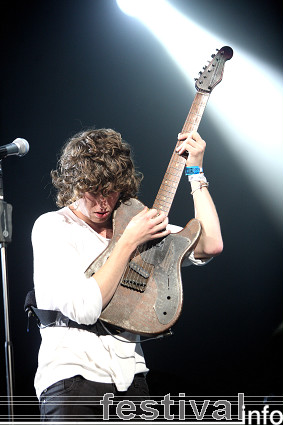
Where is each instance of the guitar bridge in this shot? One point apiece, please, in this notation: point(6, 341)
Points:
point(134, 284)
point(136, 277)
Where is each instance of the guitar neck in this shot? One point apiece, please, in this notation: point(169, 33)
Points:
point(172, 177)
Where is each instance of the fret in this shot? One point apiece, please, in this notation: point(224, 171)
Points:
point(164, 199)
point(165, 205)
point(166, 191)
point(196, 110)
point(172, 174)
point(172, 177)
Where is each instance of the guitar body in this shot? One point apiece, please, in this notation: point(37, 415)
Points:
point(149, 297)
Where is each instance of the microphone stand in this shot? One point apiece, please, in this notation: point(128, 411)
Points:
point(5, 238)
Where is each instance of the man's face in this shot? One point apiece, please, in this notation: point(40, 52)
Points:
point(98, 208)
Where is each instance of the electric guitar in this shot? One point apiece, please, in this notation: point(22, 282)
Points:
point(149, 297)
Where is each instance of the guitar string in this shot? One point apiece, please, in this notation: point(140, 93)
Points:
point(191, 124)
point(175, 159)
point(170, 177)
point(197, 110)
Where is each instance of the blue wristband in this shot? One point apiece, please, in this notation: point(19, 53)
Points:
point(193, 170)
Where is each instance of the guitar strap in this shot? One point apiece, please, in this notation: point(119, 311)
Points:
point(53, 318)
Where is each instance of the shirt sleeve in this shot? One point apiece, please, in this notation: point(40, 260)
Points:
point(59, 280)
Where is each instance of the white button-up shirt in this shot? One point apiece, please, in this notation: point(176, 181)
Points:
point(64, 246)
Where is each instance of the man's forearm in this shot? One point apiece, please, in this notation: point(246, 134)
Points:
point(210, 242)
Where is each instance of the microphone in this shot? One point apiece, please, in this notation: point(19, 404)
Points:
point(18, 147)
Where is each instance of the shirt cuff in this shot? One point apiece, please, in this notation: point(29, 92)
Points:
point(190, 259)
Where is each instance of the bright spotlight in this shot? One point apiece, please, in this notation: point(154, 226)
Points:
point(182, 38)
point(138, 7)
point(248, 104)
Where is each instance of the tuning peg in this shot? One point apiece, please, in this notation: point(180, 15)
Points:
point(204, 67)
point(213, 55)
point(200, 72)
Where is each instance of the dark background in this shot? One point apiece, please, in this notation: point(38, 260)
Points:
point(70, 64)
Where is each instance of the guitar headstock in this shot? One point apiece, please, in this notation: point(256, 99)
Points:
point(213, 72)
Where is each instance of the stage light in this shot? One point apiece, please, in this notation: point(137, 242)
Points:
point(183, 39)
point(138, 7)
point(248, 104)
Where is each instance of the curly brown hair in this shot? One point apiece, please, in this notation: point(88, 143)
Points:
point(95, 161)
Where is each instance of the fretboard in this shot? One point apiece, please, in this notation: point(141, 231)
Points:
point(171, 180)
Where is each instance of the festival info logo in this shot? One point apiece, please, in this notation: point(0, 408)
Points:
point(187, 410)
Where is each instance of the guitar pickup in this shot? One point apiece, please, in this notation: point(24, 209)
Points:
point(138, 269)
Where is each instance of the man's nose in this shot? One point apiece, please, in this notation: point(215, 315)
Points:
point(102, 200)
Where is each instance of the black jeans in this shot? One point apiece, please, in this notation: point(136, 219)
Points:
point(77, 399)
